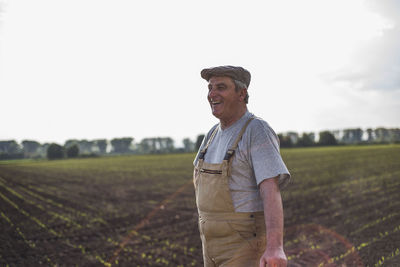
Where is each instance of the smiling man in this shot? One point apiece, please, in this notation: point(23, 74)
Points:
point(238, 175)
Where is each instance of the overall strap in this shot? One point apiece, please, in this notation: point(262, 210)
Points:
point(231, 151)
point(204, 150)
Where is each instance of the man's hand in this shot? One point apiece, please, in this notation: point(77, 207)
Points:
point(273, 257)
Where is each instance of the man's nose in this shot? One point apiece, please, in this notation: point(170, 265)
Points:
point(212, 92)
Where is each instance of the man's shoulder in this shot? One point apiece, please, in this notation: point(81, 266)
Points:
point(260, 126)
point(259, 123)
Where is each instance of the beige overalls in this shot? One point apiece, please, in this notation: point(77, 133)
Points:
point(229, 238)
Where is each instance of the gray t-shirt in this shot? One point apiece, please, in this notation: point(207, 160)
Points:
point(256, 158)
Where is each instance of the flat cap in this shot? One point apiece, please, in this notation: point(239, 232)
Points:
point(237, 73)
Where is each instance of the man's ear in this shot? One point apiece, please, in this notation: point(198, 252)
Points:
point(243, 94)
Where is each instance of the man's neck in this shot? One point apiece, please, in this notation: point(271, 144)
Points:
point(228, 122)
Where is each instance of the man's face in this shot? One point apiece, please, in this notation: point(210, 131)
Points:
point(223, 98)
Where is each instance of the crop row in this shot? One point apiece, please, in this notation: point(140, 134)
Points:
point(74, 225)
point(363, 245)
point(43, 225)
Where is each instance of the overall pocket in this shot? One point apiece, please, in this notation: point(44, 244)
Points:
point(246, 229)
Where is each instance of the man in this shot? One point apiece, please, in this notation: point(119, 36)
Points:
point(237, 177)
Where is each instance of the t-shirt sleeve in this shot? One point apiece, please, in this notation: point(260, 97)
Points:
point(265, 156)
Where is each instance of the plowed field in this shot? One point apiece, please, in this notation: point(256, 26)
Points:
point(342, 208)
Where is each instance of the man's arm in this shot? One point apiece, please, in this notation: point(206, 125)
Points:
point(273, 213)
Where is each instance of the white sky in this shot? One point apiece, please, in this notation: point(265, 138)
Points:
point(105, 69)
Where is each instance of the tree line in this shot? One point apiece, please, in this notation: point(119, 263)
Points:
point(73, 148)
point(354, 136)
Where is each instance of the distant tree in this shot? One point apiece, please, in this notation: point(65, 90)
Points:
point(370, 137)
point(306, 140)
point(382, 135)
point(102, 145)
point(10, 150)
point(352, 136)
point(121, 145)
point(294, 137)
point(169, 145)
point(337, 134)
point(285, 141)
point(199, 141)
point(71, 142)
point(312, 137)
point(326, 138)
point(55, 151)
point(85, 146)
point(10, 147)
point(394, 135)
point(346, 138)
point(144, 146)
point(188, 145)
point(157, 145)
point(43, 148)
point(72, 151)
point(357, 135)
point(30, 147)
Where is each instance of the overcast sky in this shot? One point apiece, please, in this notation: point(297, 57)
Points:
point(105, 69)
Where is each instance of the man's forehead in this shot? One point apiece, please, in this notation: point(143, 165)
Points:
point(220, 79)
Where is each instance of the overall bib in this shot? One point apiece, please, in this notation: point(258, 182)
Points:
point(229, 238)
